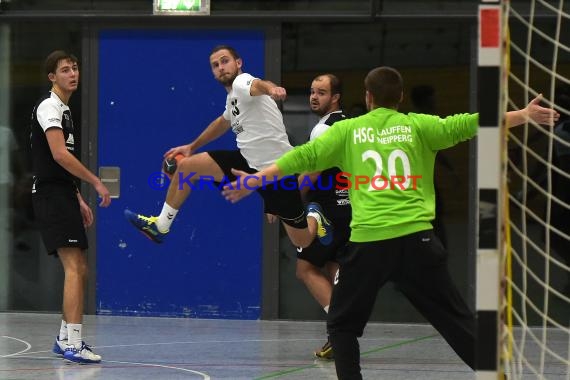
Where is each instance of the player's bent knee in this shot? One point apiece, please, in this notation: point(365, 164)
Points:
point(300, 237)
point(185, 164)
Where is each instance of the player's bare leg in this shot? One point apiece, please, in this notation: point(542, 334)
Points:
point(189, 170)
point(75, 268)
point(317, 282)
point(74, 264)
point(197, 166)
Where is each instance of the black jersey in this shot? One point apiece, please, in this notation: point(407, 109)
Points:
point(50, 112)
point(324, 190)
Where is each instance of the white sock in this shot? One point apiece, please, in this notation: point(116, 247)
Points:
point(315, 215)
point(63, 330)
point(166, 218)
point(74, 336)
point(326, 309)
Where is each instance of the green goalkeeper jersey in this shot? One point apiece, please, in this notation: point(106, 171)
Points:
point(387, 158)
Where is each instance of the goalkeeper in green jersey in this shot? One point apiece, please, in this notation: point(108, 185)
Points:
point(388, 161)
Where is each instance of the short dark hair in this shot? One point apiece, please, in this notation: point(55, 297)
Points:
point(55, 57)
point(336, 84)
point(386, 86)
point(232, 51)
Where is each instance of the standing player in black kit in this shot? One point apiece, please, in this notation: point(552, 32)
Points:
point(316, 264)
point(61, 213)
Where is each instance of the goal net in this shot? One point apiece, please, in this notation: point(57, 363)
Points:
point(535, 338)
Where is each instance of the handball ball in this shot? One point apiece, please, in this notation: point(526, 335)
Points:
point(170, 164)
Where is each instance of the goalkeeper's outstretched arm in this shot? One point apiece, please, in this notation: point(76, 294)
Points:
point(533, 111)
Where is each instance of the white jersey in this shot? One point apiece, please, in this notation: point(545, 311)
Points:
point(325, 122)
point(257, 123)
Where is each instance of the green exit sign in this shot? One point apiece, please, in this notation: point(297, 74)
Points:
point(182, 7)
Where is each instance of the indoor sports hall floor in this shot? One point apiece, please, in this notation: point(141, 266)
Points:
point(176, 348)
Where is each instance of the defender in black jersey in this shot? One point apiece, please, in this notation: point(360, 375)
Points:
point(317, 264)
point(60, 211)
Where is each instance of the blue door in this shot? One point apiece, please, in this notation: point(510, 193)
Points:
point(156, 91)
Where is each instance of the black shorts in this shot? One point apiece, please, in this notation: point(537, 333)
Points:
point(58, 216)
point(318, 254)
point(284, 203)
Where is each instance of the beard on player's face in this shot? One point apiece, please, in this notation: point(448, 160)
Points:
point(227, 79)
point(321, 108)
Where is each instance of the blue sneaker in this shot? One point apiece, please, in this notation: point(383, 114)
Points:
point(146, 225)
point(324, 226)
point(82, 355)
point(59, 346)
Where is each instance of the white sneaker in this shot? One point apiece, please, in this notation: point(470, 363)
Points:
point(82, 355)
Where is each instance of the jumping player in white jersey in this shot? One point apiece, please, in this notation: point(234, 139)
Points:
point(252, 114)
point(60, 211)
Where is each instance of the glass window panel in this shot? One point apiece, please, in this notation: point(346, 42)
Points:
point(30, 280)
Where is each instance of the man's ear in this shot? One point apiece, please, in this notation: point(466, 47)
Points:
point(239, 63)
point(369, 99)
point(51, 77)
point(336, 98)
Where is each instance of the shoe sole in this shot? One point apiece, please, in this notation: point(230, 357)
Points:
point(324, 357)
point(80, 361)
point(148, 236)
